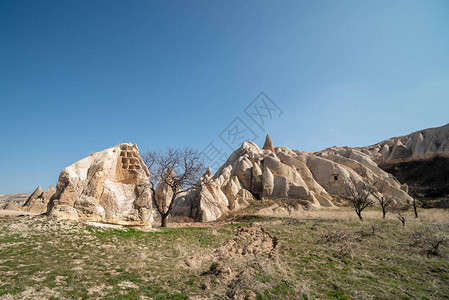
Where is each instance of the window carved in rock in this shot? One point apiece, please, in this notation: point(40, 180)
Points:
point(129, 158)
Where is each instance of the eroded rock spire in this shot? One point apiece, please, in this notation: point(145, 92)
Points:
point(268, 145)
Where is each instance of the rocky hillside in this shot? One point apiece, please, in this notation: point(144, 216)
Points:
point(12, 201)
point(420, 159)
point(107, 186)
point(422, 145)
point(311, 179)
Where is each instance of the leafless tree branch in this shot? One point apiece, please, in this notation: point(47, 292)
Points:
point(178, 168)
point(385, 202)
point(358, 193)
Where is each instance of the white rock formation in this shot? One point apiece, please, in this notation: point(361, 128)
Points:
point(268, 145)
point(252, 173)
point(108, 186)
point(420, 159)
point(38, 201)
point(36, 194)
point(420, 145)
point(13, 201)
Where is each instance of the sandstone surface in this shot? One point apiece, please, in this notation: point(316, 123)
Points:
point(13, 201)
point(38, 201)
point(109, 186)
point(420, 145)
point(420, 160)
point(252, 173)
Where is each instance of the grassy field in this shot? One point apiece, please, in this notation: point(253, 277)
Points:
point(322, 255)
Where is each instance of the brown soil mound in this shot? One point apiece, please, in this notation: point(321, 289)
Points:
point(252, 240)
point(249, 242)
point(233, 263)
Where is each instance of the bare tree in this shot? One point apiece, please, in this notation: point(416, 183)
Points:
point(415, 207)
point(414, 196)
point(358, 195)
point(401, 213)
point(292, 204)
point(401, 217)
point(384, 203)
point(173, 171)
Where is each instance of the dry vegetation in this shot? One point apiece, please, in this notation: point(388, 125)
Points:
point(318, 254)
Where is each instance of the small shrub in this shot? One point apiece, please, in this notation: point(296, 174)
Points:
point(401, 213)
point(428, 241)
point(401, 217)
point(371, 230)
point(339, 237)
point(343, 242)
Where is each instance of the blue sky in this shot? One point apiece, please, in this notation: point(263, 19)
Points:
point(81, 76)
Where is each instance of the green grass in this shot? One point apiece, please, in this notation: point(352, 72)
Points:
point(318, 258)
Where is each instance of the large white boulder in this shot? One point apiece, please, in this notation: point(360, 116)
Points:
point(108, 186)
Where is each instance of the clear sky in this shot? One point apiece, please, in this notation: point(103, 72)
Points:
point(81, 76)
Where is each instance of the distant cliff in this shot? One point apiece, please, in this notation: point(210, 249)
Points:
point(420, 159)
point(12, 201)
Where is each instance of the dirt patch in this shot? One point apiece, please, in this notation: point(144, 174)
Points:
point(233, 263)
point(128, 285)
point(34, 293)
point(104, 225)
point(249, 242)
point(14, 213)
point(99, 290)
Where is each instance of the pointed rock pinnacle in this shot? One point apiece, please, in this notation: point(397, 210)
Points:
point(268, 145)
